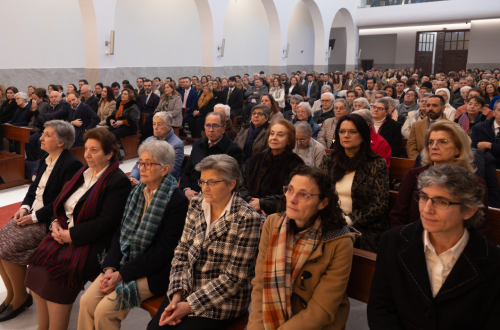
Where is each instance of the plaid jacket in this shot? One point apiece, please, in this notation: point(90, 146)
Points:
point(216, 273)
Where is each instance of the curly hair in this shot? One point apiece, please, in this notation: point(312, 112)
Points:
point(332, 217)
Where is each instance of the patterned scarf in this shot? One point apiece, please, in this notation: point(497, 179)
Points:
point(70, 270)
point(286, 255)
point(466, 123)
point(137, 233)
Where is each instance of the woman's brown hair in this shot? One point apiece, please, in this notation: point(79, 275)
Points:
point(130, 92)
point(110, 96)
point(106, 138)
point(174, 91)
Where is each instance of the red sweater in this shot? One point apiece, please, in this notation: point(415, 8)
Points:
point(380, 147)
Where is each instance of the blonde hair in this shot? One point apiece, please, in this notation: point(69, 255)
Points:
point(210, 87)
point(465, 157)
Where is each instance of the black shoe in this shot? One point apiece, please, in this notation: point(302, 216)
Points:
point(10, 313)
point(2, 307)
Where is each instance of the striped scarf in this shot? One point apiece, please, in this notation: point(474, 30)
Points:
point(286, 255)
point(137, 233)
point(70, 270)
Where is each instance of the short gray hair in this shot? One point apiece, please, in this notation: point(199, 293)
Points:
point(89, 88)
point(362, 100)
point(165, 116)
point(227, 108)
point(383, 93)
point(461, 184)
point(218, 114)
point(367, 116)
point(330, 96)
point(386, 103)
point(497, 103)
point(306, 106)
point(338, 100)
point(326, 87)
point(303, 127)
point(23, 96)
point(426, 95)
point(161, 151)
point(223, 164)
point(296, 98)
point(392, 101)
point(65, 132)
point(265, 108)
point(464, 88)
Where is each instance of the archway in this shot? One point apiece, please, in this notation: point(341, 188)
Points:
point(301, 37)
point(344, 38)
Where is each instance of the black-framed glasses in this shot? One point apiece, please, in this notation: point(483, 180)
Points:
point(301, 195)
point(209, 183)
point(147, 165)
point(214, 127)
point(258, 114)
point(437, 202)
point(349, 131)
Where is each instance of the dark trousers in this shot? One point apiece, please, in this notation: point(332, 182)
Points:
point(32, 147)
point(188, 323)
point(196, 125)
point(122, 131)
point(147, 128)
point(189, 114)
point(246, 112)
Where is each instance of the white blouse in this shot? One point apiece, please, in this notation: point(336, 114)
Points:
point(344, 189)
point(207, 208)
point(89, 181)
point(38, 202)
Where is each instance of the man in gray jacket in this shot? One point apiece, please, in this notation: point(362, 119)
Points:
point(253, 95)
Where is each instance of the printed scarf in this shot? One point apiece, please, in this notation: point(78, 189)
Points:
point(137, 233)
point(466, 123)
point(286, 255)
point(70, 270)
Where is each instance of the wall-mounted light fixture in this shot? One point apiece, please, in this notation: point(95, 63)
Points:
point(221, 48)
point(111, 43)
point(286, 51)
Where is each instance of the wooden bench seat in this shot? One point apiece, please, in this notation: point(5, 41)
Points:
point(79, 153)
point(130, 144)
point(12, 165)
point(399, 167)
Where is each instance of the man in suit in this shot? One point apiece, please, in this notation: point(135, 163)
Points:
point(232, 96)
point(189, 98)
point(324, 82)
point(158, 86)
point(198, 88)
point(303, 78)
point(116, 91)
point(284, 81)
point(310, 90)
point(140, 83)
point(253, 95)
point(148, 102)
point(89, 98)
point(214, 143)
point(81, 116)
point(370, 90)
point(386, 127)
point(435, 111)
point(486, 135)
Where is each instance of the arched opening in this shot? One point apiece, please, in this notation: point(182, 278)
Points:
point(301, 40)
point(344, 42)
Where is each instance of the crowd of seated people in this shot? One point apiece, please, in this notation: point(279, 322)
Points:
point(278, 212)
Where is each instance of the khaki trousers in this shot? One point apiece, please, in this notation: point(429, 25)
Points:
point(98, 312)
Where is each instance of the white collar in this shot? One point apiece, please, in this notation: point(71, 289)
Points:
point(88, 174)
point(49, 160)
point(457, 249)
point(495, 125)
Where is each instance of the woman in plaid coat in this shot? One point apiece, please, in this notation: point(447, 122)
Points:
point(214, 263)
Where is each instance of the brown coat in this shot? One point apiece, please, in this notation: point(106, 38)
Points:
point(416, 141)
point(105, 110)
point(325, 298)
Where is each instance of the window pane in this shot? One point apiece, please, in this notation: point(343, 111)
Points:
point(460, 36)
point(460, 45)
point(432, 46)
point(446, 46)
point(419, 46)
point(467, 35)
point(466, 44)
point(448, 36)
point(454, 36)
point(429, 47)
point(453, 45)
point(420, 37)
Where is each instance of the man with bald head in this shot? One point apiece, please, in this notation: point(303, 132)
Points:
point(89, 98)
point(56, 104)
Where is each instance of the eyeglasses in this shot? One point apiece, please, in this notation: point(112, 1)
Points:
point(325, 101)
point(349, 132)
point(439, 143)
point(301, 195)
point(301, 140)
point(302, 112)
point(209, 183)
point(339, 108)
point(147, 165)
point(258, 114)
point(378, 108)
point(437, 202)
point(214, 127)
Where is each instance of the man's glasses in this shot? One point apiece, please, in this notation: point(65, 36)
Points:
point(214, 127)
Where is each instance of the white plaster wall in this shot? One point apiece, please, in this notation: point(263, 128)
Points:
point(379, 48)
point(484, 48)
point(41, 34)
point(301, 36)
point(338, 54)
point(157, 33)
point(246, 31)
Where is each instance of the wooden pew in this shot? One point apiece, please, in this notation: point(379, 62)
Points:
point(12, 165)
point(360, 281)
point(328, 151)
point(494, 232)
point(498, 176)
point(399, 167)
point(403, 148)
point(235, 122)
point(130, 143)
point(79, 153)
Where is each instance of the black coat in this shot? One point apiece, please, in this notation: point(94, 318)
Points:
point(60, 111)
point(64, 169)
point(391, 132)
point(156, 262)
point(320, 116)
point(295, 90)
point(152, 104)
point(235, 99)
point(7, 111)
point(89, 118)
point(99, 232)
point(200, 150)
point(19, 118)
point(401, 295)
point(93, 102)
point(483, 132)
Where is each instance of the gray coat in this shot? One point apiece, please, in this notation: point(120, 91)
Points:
point(250, 92)
point(173, 105)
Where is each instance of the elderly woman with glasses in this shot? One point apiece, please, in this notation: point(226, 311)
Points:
point(446, 143)
point(215, 259)
point(252, 138)
point(327, 133)
point(438, 272)
point(137, 265)
point(294, 101)
point(361, 179)
point(304, 113)
point(305, 257)
point(310, 150)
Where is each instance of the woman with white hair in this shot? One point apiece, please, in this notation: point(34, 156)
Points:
point(310, 150)
point(226, 110)
point(361, 103)
point(304, 113)
point(327, 133)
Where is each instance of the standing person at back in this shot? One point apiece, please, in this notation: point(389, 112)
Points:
point(310, 90)
point(189, 98)
point(148, 102)
point(232, 96)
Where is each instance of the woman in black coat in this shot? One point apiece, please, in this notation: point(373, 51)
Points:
point(205, 105)
point(124, 121)
point(141, 254)
point(266, 173)
point(439, 272)
point(9, 106)
point(86, 215)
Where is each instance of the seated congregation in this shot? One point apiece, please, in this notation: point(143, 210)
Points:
point(286, 180)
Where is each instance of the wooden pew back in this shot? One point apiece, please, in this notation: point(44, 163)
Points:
point(360, 281)
point(399, 167)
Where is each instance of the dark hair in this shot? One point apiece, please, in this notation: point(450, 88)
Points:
point(427, 84)
point(54, 87)
point(331, 216)
point(147, 80)
point(83, 81)
point(106, 138)
point(441, 99)
point(274, 105)
point(350, 91)
point(60, 88)
point(290, 134)
point(142, 79)
point(401, 82)
point(414, 92)
point(372, 79)
point(100, 85)
point(477, 90)
point(74, 93)
point(232, 78)
point(125, 82)
point(115, 84)
point(262, 72)
point(394, 93)
point(131, 92)
point(411, 82)
point(110, 96)
point(478, 99)
point(41, 93)
point(74, 87)
point(158, 78)
point(13, 89)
